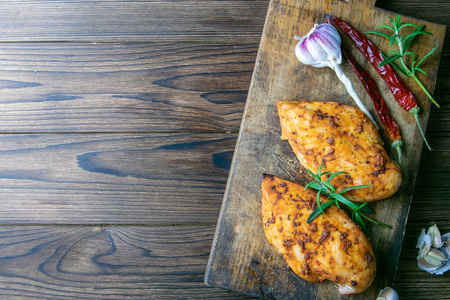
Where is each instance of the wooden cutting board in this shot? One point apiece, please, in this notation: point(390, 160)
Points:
point(241, 258)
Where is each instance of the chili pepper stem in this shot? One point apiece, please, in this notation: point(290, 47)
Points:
point(348, 84)
point(415, 112)
point(425, 90)
point(397, 145)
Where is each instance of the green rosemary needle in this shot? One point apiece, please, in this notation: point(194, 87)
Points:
point(358, 211)
point(400, 55)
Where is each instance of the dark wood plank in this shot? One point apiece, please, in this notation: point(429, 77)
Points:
point(136, 87)
point(434, 171)
point(118, 262)
point(188, 20)
point(129, 87)
point(429, 206)
point(411, 282)
point(113, 178)
point(279, 76)
point(110, 77)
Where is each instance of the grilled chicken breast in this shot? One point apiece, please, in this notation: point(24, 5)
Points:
point(331, 247)
point(341, 138)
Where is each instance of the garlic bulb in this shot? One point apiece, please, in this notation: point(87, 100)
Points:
point(388, 294)
point(321, 47)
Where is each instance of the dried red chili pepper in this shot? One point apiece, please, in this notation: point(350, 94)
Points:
point(390, 125)
point(401, 93)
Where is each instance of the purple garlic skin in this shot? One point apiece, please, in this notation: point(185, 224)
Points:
point(320, 46)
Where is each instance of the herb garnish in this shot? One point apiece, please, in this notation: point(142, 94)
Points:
point(326, 188)
point(403, 43)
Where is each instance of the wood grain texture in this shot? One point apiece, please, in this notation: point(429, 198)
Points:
point(136, 87)
point(128, 70)
point(410, 281)
point(278, 76)
point(187, 20)
point(133, 87)
point(117, 262)
point(113, 178)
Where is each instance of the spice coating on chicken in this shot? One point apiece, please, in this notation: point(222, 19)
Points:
point(340, 138)
point(331, 247)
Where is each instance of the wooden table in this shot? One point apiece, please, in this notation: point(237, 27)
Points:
point(117, 128)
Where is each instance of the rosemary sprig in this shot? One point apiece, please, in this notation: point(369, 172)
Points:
point(403, 43)
point(358, 211)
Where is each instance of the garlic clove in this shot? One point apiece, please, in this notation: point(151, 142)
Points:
point(442, 269)
point(388, 294)
point(424, 244)
point(437, 254)
point(446, 244)
point(435, 235)
point(435, 258)
point(430, 259)
point(433, 261)
point(424, 265)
